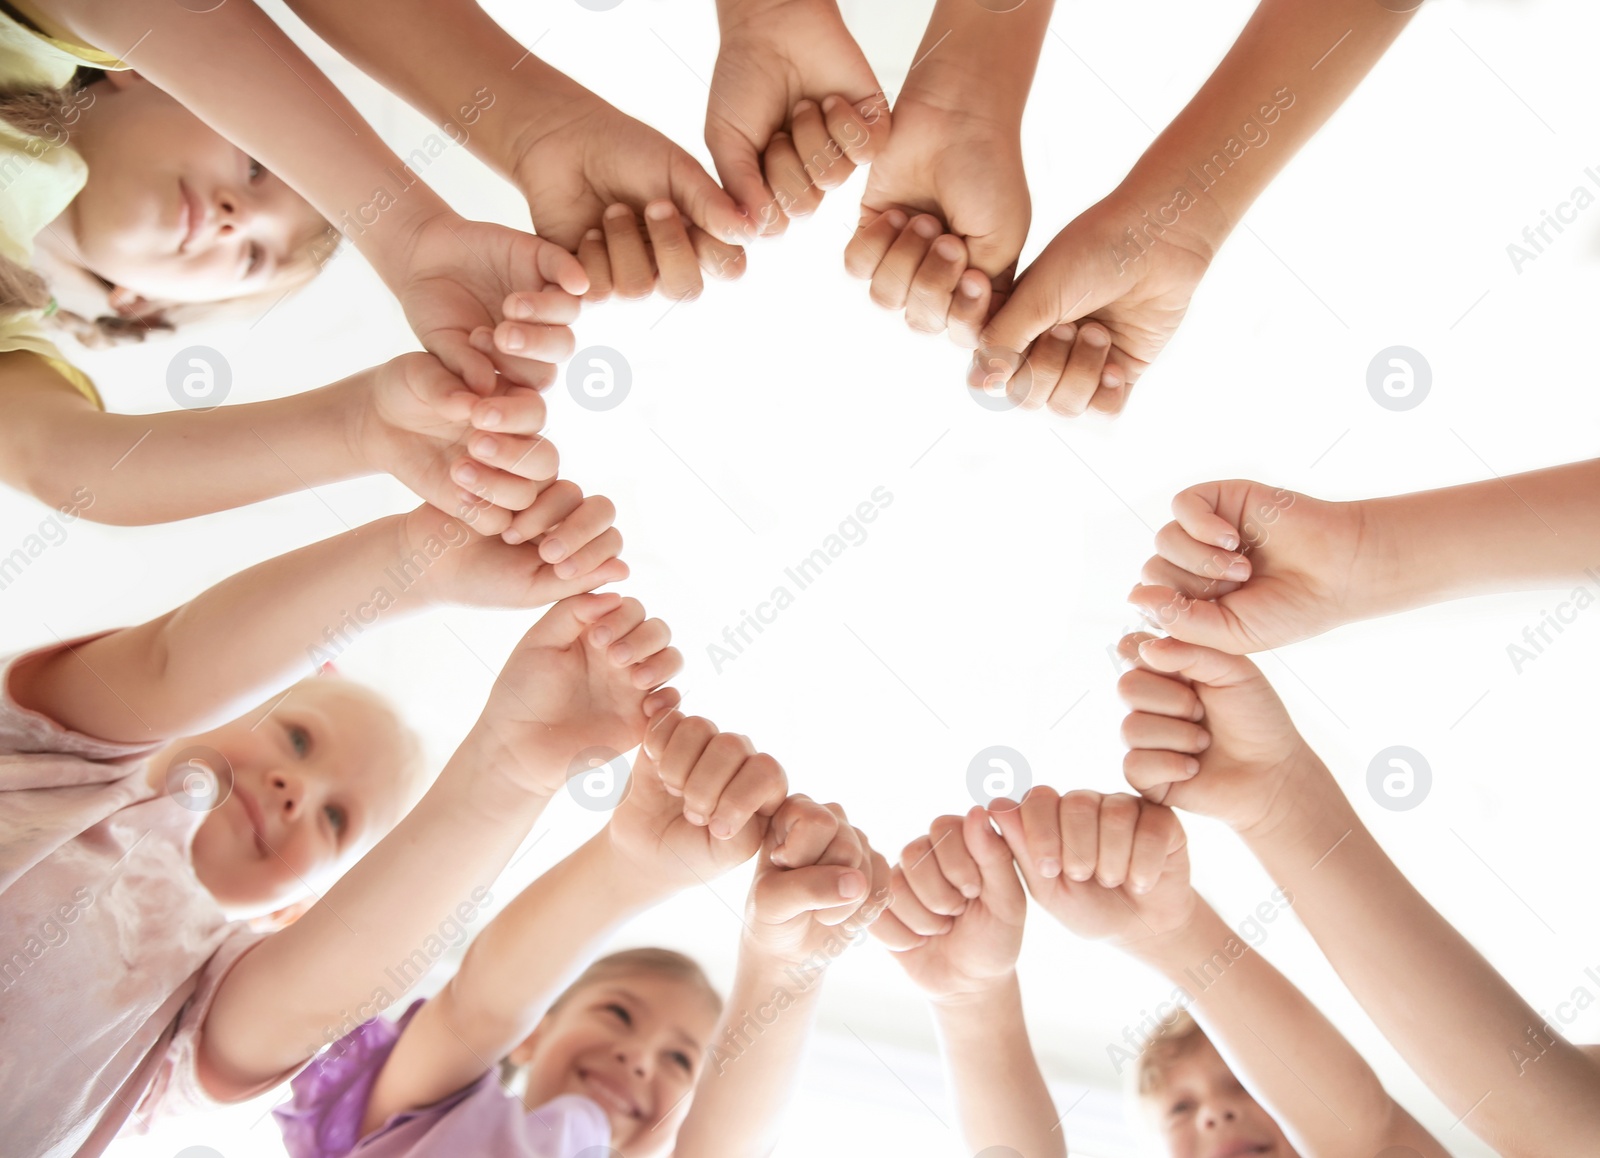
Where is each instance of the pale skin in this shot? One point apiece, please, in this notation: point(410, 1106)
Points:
point(955, 926)
point(949, 191)
point(247, 79)
point(1125, 303)
point(482, 459)
point(1245, 566)
point(588, 170)
point(1209, 735)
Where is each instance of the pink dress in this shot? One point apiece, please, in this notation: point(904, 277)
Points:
point(323, 1120)
point(110, 949)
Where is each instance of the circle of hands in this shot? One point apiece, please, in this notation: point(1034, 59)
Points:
point(621, 210)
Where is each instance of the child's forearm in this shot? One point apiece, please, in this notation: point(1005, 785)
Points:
point(1482, 1049)
point(1320, 1090)
point(296, 991)
point(1000, 1093)
point(234, 644)
point(157, 468)
point(453, 63)
point(1291, 67)
point(237, 70)
point(754, 1064)
point(1523, 532)
point(980, 61)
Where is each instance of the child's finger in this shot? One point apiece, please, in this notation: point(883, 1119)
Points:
point(955, 859)
point(1159, 572)
point(1196, 512)
point(512, 368)
point(665, 665)
point(1148, 691)
point(998, 883)
point(565, 621)
point(717, 259)
point(1177, 546)
point(534, 458)
point(916, 916)
point(558, 269)
point(787, 175)
point(676, 264)
point(555, 502)
point(617, 624)
point(504, 490)
point(1078, 820)
point(1200, 621)
point(541, 307)
point(1081, 377)
point(1157, 839)
point(1143, 730)
point(632, 274)
point(928, 305)
point(512, 411)
point(597, 264)
point(801, 832)
point(607, 545)
point(920, 867)
point(891, 283)
point(871, 241)
point(613, 570)
point(534, 341)
point(894, 935)
point(969, 308)
point(859, 127)
point(1119, 817)
point(683, 749)
point(1110, 400)
point(1203, 665)
point(1041, 830)
point(638, 645)
point(659, 731)
point(814, 889)
point(1150, 772)
point(723, 755)
point(757, 787)
point(578, 527)
point(812, 144)
point(660, 701)
point(1046, 360)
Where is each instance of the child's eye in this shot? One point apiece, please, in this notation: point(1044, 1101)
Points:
point(336, 817)
point(621, 1012)
point(300, 740)
point(258, 258)
point(256, 169)
point(1182, 1107)
point(682, 1059)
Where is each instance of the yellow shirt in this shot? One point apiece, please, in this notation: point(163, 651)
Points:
point(38, 177)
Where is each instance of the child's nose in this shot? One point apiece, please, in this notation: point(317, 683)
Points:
point(1212, 1116)
point(290, 792)
point(233, 212)
point(633, 1059)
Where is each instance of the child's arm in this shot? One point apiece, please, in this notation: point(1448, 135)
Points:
point(227, 649)
point(529, 953)
point(1484, 1051)
point(1132, 261)
point(1244, 566)
point(408, 417)
point(238, 72)
point(818, 887)
point(955, 926)
point(570, 153)
point(559, 694)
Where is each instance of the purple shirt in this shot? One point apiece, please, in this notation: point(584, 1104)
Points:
point(323, 1119)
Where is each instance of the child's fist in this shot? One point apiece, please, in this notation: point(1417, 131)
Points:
point(1206, 732)
point(955, 924)
point(817, 873)
point(1107, 867)
point(1244, 567)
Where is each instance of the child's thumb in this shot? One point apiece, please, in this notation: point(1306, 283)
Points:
point(1207, 623)
point(783, 896)
point(1203, 665)
point(566, 619)
point(708, 204)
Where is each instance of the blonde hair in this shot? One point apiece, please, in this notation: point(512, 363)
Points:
point(1174, 1042)
point(649, 959)
point(43, 114)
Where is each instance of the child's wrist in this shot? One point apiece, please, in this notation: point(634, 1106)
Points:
point(1175, 949)
point(1307, 805)
point(980, 994)
point(731, 13)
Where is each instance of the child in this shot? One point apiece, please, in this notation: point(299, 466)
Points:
point(144, 821)
point(955, 925)
point(1116, 868)
point(1245, 566)
point(618, 1057)
point(1208, 734)
point(585, 167)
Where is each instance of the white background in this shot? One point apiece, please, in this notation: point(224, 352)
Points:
point(990, 590)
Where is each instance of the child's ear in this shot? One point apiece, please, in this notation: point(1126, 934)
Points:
point(129, 304)
point(524, 1052)
point(124, 78)
point(280, 919)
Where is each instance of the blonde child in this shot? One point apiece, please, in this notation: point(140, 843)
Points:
point(1116, 869)
point(1209, 735)
point(625, 1056)
point(148, 819)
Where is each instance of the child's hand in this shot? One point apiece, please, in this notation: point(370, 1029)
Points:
point(794, 107)
point(956, 921)
point(1244, 567)
point(587, 675)
point(417, 422)
point(1112, 868)
point(699, 802)
point(1207, 733)
point(444, 563)
point(948, 172)
point(1086, 274)
point(489, 300)
point(819, 881)
point(666, 253)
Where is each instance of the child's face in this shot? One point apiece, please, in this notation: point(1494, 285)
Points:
point(171, 210)
point(315, 781)
point(1202, 1111)
point(634, 1044)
